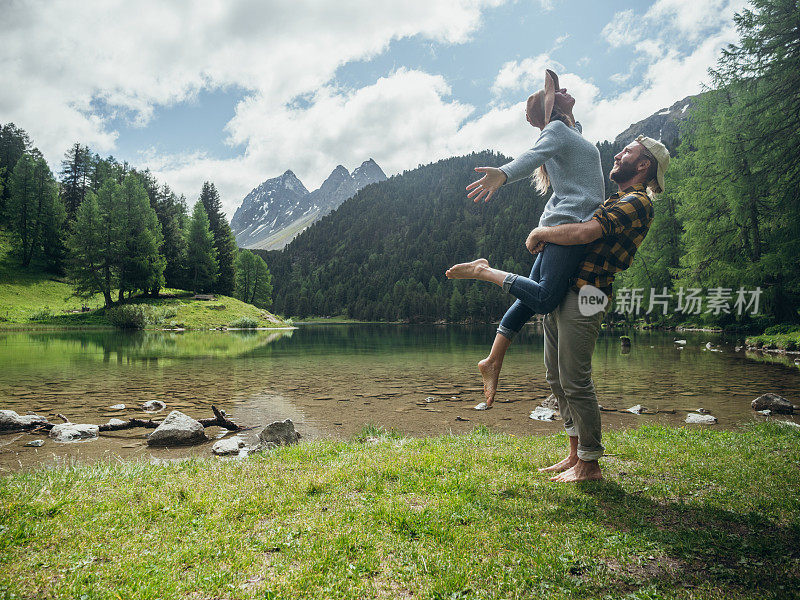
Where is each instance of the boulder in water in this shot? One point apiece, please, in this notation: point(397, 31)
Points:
point(540, 413)
point(773, 402)
point(177, 429)
point(10, 420)
point(73, 432)
point(551, 402)
point(153, 406)
point(698, 419)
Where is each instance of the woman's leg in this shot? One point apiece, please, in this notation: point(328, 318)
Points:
point(516, 316)
point(558, 265)
point(540, 293)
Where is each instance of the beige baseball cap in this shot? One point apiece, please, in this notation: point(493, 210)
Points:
point(661, 154)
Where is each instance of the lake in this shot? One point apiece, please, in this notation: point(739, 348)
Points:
point(332, 379)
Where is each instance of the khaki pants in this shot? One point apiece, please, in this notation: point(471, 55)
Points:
point(569, 339)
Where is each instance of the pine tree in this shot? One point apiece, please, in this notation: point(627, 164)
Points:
point(89, 264)
point(14, 142)
point(458, 306)
point(33, 206)
point(253, 279)
point(141, 267)
point(224, 240)
point(201, 255)
point(76, 171)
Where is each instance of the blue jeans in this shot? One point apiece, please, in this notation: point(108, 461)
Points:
point(544, 290)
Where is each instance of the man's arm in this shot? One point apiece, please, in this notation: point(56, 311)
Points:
point(634, 210)
point(568, 234)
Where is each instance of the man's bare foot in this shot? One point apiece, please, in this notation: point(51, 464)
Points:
point(565, 464)
point(582, 471)
point(467, 270)
point(490, 371)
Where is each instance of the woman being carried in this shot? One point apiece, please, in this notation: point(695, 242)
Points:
point(563, 159)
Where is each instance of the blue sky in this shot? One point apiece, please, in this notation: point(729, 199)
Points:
point(237, 92)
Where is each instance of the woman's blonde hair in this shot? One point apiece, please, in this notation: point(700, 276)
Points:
point(540, 180)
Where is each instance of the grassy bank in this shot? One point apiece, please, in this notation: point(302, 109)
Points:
point(684, 513)
point(32, 298)
point(783, 337)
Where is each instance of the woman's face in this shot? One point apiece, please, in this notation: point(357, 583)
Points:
point(564, 101)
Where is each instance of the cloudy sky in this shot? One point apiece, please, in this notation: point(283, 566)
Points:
point(238, 91)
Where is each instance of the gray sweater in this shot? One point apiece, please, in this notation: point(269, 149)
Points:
point(573, 164)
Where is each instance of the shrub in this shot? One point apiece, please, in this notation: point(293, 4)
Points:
point(781, 328)
point(244, 323)
point(41, 315)
point(128, 316)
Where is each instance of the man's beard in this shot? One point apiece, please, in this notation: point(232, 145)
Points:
point(624, 172)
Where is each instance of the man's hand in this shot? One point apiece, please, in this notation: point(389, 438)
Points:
point(535, 242)
point(487, 185)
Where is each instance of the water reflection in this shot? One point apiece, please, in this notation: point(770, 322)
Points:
point(332, 379)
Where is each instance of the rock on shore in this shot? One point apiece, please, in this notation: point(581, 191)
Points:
point(280, 433)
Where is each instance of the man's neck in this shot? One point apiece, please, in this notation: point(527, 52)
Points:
point(624, 185)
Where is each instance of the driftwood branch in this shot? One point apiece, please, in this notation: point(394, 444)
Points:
point(131, 424)
point(220, 419)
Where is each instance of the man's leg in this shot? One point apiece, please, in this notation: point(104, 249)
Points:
point(577, 335)
point(552, 376)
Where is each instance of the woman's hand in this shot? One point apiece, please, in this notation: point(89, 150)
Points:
point(487, 185)
point(535, 243)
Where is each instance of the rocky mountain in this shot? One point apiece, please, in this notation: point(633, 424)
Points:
point(662, 126)
point(272, 214)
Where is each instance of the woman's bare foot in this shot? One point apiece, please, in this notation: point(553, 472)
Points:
point(490, 371)
point(559, 467)
point(582, 471)
point(468, 270)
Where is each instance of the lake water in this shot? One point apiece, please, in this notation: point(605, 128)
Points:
point(332, 379)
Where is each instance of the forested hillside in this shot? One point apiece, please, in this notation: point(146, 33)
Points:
point(105, 228)
point(383, 254)
point(727, 226)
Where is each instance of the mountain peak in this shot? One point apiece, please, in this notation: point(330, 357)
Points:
point(281, 207)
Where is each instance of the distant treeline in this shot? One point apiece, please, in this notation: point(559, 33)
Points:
point(729, 220)
point(114, 230)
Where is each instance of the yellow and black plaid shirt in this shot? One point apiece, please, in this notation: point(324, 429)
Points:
point(625, 218)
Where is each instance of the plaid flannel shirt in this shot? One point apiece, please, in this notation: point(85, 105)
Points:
point(625, 218)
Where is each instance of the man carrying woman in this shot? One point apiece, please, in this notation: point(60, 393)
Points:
point(580, 241)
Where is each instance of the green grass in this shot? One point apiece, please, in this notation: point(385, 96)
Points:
point(785, 337)
point(684, 513)
point(31, 298)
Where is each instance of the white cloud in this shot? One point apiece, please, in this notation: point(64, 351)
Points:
point(163, 53)
point(670, 74)
point(404, 119)
point(620, 78)
point(526, 74)
point(622, 29)
point(59, 58)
